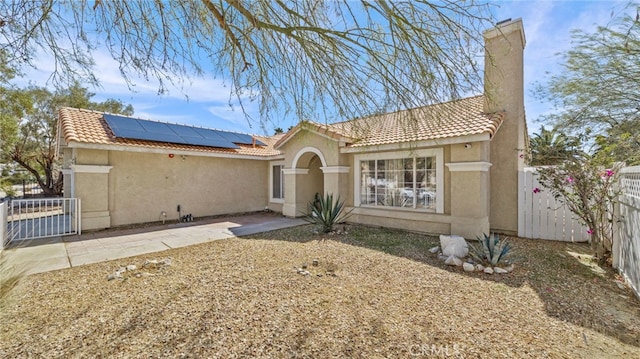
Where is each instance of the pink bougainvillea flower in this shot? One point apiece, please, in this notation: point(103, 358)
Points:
point(609, 173)
point(536, 190)
point(590, 231)
point(570, 179)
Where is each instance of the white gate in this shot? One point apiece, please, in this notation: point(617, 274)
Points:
point(541, 216)
point(42, 217)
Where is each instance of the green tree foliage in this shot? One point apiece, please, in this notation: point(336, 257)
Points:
point(550, 147)
point(28, 128)
point(313, 59)
point(620, 143)
point(599, 88)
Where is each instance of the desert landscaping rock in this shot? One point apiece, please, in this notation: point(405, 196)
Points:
point(453, 261)
point(434, 250)
point(499, 270)
point(454, 246)
point(132, 269)
point(488, 270)
point(468, 267)
point(479, 267)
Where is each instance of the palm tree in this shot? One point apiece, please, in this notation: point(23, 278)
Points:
point(550, 147)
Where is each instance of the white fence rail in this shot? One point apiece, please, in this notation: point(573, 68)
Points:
point(626, 238)
point(541, 216)
point(42, 217)
point(3, 227)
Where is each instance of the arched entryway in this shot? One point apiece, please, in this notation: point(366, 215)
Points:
point(303, 180)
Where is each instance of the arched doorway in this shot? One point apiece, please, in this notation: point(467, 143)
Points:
point(303, 180)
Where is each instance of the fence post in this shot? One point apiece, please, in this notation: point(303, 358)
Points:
point(615, 235)
point(3, 222)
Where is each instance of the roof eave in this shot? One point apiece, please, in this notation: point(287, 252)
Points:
point(315, 128)
point(140, 149)
point(409, 145)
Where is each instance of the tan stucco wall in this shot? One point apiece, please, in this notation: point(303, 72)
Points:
point(275, 206)
point(408, 220)
point(466, 198)
point(329, 148)
point(303, 152)
point(142, 185)
point(92, 190)
point(131, 187)
point(91, 157)
point(504, 88)
point(308, 185)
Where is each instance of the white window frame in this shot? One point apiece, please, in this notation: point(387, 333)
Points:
point(271, 167)
point(438, 153)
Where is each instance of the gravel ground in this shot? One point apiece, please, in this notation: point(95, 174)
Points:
point(375, 293)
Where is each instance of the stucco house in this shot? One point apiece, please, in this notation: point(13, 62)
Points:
point(445, 168)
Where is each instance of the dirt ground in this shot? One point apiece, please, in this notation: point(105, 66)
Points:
point(374, 293)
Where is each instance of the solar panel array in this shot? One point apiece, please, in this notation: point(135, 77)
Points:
point(136, 129)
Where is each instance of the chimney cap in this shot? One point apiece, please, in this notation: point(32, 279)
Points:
point(505, 27)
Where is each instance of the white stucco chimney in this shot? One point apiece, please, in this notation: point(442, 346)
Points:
point(504, 93)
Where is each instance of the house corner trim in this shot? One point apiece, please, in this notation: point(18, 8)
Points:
point(90, 168)
point(468, 166)
point(335, 169)
point(295, 171)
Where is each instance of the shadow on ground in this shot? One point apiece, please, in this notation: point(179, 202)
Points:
point(565, 277)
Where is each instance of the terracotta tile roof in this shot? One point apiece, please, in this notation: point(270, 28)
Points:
point(444, 120)
point(327, 130)
point(85, 126)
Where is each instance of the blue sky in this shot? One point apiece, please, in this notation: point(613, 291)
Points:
point(204, 101)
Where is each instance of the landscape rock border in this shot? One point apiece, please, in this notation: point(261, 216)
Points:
point(132, 270)
point(453, 250)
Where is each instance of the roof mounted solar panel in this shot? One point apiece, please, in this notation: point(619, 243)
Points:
point(122, 123)
point(239, 138)
point(184, 131)
point(209, 142)
point(230, 136)
point(206, 133)
point(131, 128)
point(139, 135)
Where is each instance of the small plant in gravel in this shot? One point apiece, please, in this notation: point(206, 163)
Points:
point(325, 212)
point(492, 250)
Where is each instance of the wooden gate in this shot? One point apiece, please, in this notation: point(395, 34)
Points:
point(541, 216)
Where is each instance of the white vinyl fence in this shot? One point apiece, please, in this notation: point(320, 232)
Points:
point(3, 225)
point(541, 216)
point(626, 238)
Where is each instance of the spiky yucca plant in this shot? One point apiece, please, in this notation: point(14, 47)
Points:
point(325, 212)
point(492, 250)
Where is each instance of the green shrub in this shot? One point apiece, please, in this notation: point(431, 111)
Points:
point(492, 250)
point(325, 212)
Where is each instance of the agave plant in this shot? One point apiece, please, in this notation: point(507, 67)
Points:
point(492, 250)
point(325, 212)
